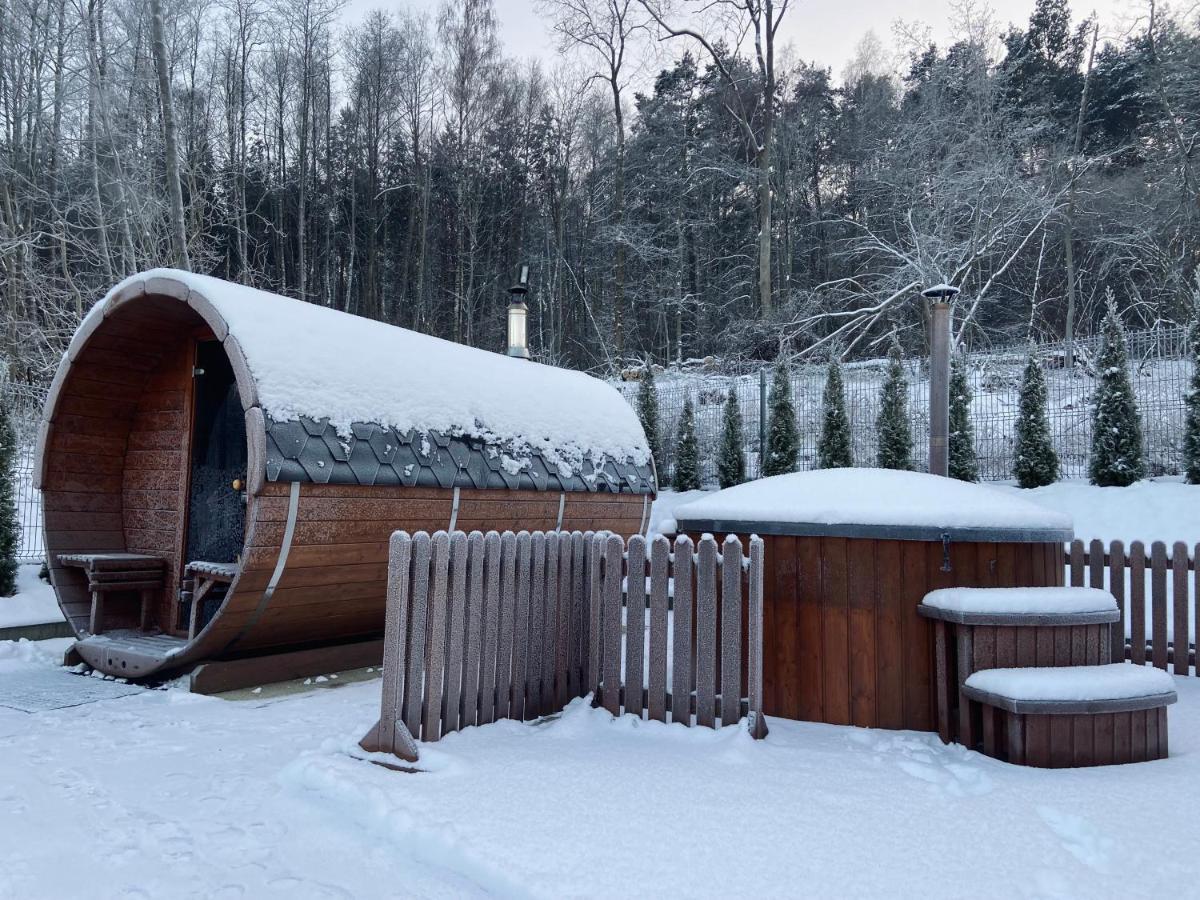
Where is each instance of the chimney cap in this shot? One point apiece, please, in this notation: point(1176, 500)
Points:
point(941, 292)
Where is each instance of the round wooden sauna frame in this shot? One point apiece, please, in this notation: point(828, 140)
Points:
point(843, 642)
point(113, 462)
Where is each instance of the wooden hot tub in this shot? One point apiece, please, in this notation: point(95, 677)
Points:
point(850, 553)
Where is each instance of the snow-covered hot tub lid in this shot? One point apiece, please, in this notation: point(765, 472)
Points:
point(874, 503)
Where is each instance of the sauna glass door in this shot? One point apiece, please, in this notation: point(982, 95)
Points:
point(216, 509)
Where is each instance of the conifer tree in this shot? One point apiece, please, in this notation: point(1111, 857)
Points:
point(833, 447)
point(1035, 464)
point(1116, 459)
point(647, 410)
point(731, 459)
point(687, 451)
point(964, 465)
point(892, 426)
point(783, 438)
point(9, 530)
point(1191, 401)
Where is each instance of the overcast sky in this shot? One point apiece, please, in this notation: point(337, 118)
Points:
point(822, 31)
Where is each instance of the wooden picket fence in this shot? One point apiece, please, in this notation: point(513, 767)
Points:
point(701, 658)
point(1124, 573)
point(485, 627)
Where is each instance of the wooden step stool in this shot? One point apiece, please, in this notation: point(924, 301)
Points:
point(1073, 716)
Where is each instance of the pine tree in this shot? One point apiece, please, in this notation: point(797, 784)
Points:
point(892, 426)
point(1116, 459)
point(687, 451)
point(647, 410)
point(1035, 464)
point(783, 438)
point(731, 459)
point(963, 463)
point(10, 533)
point(833, 447)
point(1191, 400)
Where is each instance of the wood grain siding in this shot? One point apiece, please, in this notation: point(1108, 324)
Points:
point(843, 642)
point(333, 587)
point(154, 491)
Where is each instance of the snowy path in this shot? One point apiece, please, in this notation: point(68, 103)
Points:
point(165, 794)
point(169, 794)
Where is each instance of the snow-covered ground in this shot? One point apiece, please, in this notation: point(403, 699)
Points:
point(166, 794)
point(33, 604)
point(1158, 509)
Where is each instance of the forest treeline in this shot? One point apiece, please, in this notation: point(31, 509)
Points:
point(679, 184)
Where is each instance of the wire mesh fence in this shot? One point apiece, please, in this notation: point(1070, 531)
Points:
point(1159, 367)
point(24, 403)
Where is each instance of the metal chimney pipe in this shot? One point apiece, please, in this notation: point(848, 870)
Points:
point(518, 316)
point(939, 377)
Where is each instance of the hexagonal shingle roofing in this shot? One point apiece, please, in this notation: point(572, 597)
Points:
point(305, 450)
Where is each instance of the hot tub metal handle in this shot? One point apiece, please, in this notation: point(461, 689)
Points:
point(946, 551)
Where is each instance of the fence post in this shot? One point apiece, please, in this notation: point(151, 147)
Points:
point(754, 671)
point(762, 420)
point(390, 735)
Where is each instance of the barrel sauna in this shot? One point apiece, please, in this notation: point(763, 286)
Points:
point(221, 468)
point(849, 555)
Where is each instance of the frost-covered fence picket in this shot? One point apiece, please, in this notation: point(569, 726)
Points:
point(485, 627)
point(1158, 593)
point(699, 657)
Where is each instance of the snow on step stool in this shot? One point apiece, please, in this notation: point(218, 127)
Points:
point(1021, 606)
point(1072, 688)
point(1072, 715)
point(991, 628)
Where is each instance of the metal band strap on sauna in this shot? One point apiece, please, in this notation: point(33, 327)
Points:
point(285, 547)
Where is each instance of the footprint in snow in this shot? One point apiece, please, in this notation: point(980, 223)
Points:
point(957, 779)
point(1079, 837)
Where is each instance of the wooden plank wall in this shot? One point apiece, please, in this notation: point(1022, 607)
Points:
point(843, 642)
point(481, 627)
point(157, 464)
point(334, 584)
point(1151, 618)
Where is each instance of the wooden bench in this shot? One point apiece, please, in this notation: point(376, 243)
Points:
point(1073, 716)
point(200, 577)
point(978, 628)
point(109, 572)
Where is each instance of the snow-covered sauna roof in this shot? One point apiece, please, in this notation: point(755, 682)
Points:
point(879, 503)
point(346, 399)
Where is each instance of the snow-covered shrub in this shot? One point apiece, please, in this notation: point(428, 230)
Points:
point(963, 463)
point(731, 460)
point(647, 410)
point(895, 435)
point(10, 535)
point(687, 451)
point(1191, 402)
point(783, 438)
point(1116, 459)
point(1035, 463)
point(833, 447)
